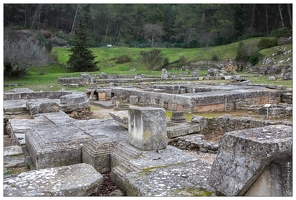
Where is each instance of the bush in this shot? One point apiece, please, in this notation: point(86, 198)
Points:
point(265, 43)
point(254, 58)
point(246, 52)
point(123, 59)
point(165, 62)
point(215, 57)
point(182, 60)
point(153, 59)
point(19, 55)
point(281, 32)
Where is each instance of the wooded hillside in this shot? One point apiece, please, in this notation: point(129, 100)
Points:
point(157, 25)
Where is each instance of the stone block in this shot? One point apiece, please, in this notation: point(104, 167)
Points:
point(74, 180)
point(55, 145)
point(74, 98)
point(36, 106)
point(243, 155)
point(98, 155)
point(104, 94)
point(133, 100)
point(147, 128)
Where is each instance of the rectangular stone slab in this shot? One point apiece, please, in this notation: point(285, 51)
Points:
point(55, 145)
point(74, 180)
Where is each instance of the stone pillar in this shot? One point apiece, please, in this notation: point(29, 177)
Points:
point(147, 128)
point(178, 117)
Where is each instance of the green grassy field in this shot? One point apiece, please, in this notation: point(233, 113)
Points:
point(45, 78)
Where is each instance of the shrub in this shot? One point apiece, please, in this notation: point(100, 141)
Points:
point(182, 60)
point(123, 59)
point(246, 52)
point(153, 59)
point(281, 32)
point(215, 57)
point(254, 58)
point(165, 62)
point(19, 55)
point(265, 43)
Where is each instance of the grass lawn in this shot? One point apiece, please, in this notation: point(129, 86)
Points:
point(45, 78)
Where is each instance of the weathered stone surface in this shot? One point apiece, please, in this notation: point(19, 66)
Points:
point(244, 154)
point(73, 180)
point(202, 98)
point(178, 117)
point(121, 117)
point(197, 119)
point(13, 157)
point(212, 72)
point(180, 179)
point(128, 159)
point(181, 129)
point(13, 106)
point(270, 182)
point(55, 145)
point(12, 151)
point(36, 106)
point(147, 128)
point(195, 142)
point(74, 98)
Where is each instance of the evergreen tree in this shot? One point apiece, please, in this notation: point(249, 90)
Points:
point(82, 59)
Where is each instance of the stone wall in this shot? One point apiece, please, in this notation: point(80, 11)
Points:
point(217, 99)
point(229, 65)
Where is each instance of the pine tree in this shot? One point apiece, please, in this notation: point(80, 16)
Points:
point(81, 59)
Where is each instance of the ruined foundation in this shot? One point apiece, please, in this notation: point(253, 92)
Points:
point(139, 147)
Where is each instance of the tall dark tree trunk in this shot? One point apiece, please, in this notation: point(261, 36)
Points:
point(289, 13)
point(253, 16)
point(106, 30)
point(266, 19)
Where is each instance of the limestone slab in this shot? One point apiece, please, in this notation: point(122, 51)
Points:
point(36, 106)
point(73, 180)
point(185, 179)
point(55, 145)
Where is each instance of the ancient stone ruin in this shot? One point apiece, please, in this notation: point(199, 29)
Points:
point(146, 153)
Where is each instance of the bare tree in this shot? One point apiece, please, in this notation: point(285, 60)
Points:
point(74, 21)
point(19, 55)
point(280, 12)
point(153, 31)
point(36, 15)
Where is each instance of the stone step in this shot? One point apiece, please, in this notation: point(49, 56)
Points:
point(118, 174)
point(124, 152)
point(72, 180)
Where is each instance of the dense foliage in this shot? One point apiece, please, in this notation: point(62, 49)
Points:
point(155, 25)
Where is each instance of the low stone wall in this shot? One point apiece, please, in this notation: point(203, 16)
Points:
point(219, 98)
point(42, 102)
point(229, 65)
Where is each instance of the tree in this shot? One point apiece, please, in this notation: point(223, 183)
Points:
point(20, 55)
point(81, 59)
point(153, 31)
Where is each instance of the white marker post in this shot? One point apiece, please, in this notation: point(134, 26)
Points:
point(267, 106)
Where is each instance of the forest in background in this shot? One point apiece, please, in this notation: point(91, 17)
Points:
point(153, 25)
